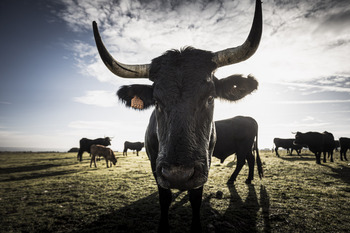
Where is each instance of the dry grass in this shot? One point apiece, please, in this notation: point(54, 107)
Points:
point(52, 192)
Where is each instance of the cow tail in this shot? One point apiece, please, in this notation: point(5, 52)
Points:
point(258, 160)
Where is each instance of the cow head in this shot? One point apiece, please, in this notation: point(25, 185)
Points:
point(299, 138)
point(183, 92)
point(113, 158)
point(107, 141)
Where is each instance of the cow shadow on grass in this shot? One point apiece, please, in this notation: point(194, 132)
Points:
point(140, 216)
point(38, 175)
point(29, 168)
point(240, 215)
point(143, 215)
point(302, 157)
point(342, 172)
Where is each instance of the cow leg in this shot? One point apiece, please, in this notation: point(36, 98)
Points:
point(331, 154)
point(251, 162)
point(318, 157)
point(80, 155)
point(276, 150)
point(240, 164)
point(92, 157)
point(165, 198)
point(195, 196)
point(341, 154)
point(137, 153)
point(324, 157)
point(106, 162)
point(345, 155)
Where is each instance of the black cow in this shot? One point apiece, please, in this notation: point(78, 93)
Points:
point(317, 143)
point(237, 135)
point(344, 146)
point(132, 146)
point(286, 143)
point(180, 137)
point(329, 145)
point(86, 143)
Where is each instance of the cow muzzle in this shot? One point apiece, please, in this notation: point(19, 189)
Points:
point(181, 177)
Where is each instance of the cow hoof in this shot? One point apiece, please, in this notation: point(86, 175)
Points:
point(247, 181)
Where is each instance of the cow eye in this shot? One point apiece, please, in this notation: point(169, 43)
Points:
point(210, 100)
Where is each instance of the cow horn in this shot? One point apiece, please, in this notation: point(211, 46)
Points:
point(247, 49)
point(119, 69)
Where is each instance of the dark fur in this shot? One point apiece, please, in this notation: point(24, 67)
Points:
point(344, 146)
point(86, 143)
point(126, 93)
point(180, 137)
point(133, 146)
point(238, 135)
point(317, 143)
point(286, 143)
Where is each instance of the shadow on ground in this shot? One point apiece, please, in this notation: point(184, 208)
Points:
point(143, 215)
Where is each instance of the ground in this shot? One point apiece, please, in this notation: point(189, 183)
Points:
point(52, 192)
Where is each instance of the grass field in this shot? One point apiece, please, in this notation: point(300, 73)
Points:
point(52, 192)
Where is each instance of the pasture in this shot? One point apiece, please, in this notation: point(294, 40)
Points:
point(52, 192)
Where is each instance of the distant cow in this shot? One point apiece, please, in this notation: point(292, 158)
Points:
point(344, 146)
point(102, 151)
point(286, 144)
point(132, 146)
point(237, 135)
point(86, 143)
point(317, 143)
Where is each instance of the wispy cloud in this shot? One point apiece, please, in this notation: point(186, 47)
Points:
point(311, 102)
point(91, 125)
point(5, 102)
point(334, 84)
point(98, 98)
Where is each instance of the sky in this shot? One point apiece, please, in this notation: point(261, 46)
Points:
point(55, 90)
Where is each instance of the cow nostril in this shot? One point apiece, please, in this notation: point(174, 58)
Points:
point(177, 173)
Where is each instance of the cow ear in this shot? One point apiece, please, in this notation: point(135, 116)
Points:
point(235, 87)
point(136, 96)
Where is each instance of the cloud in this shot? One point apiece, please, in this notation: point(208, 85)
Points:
point(298, 38)
point(331, 84)
point(311, 102)
point(91, 125)
point(5, 102)
point(98, 98)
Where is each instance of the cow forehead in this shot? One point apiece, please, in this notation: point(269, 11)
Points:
point(188, 63)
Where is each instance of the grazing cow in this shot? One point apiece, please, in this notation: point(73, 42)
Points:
point(237, 135)
point(344, 146)
point(102, 151)
point(180, 137)
point(286, 144)
point(317, 143)
point(85, 145)
point(132, 146)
